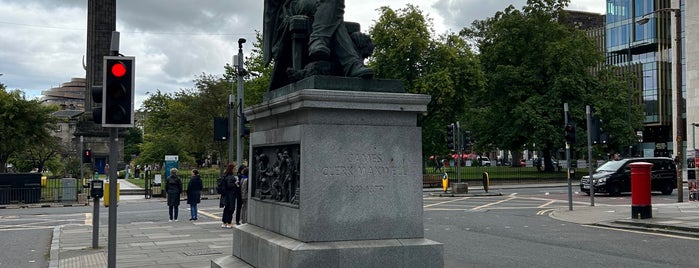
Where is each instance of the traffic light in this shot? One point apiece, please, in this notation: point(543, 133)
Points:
point(451, 143)
point(87, 156)
point(118, 92)
point(570, 134)
point(244, 131)
point(220, 128)
point(595, 130)
point(466, 140)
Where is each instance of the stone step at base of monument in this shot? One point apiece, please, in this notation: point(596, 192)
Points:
point(229, 262)
point(262, 248)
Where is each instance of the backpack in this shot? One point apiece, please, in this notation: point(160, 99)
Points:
point(219, 185)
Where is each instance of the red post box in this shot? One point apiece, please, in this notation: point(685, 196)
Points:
point(640, 190)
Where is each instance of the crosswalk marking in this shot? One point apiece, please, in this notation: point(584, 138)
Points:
point(494, 203)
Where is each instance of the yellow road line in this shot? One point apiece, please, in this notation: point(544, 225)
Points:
point(208, 214)
point(547, 204)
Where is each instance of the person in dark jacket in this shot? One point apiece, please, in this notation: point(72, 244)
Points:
point(227, 201)
point(173, 188)
point(194, 188)
point(240, 198)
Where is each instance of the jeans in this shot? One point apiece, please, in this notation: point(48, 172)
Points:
point(193, 211)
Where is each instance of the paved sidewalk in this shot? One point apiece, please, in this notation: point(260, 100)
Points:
point(143, 244)
point(150, 244)
point(194, 244)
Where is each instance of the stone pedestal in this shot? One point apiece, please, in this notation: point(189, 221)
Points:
point(359, 196)
point(459, 188)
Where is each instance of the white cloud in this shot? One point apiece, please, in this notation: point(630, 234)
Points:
point(42, 42)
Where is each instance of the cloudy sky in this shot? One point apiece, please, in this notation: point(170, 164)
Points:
point(42, 42)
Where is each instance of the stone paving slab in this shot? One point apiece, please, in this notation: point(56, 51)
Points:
point(176, 244)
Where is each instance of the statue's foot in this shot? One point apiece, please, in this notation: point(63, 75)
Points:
point(318, 51)
point(359, 70)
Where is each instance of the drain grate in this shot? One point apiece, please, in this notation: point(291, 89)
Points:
point(201, 252)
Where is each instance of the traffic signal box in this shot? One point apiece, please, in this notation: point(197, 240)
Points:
point(118, 92)
point(87, 156)
point(570, 136)
point(451, 130)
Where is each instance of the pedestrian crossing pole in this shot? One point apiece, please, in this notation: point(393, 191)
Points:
point(570, 183)
point(589, 154)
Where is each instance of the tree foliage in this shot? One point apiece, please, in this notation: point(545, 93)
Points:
point(534, 65)
point(444, 68)
point(23, 124)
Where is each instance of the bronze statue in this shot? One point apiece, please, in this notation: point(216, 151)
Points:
point(330, 48)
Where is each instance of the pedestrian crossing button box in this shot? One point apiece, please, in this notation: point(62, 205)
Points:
point(97, 188)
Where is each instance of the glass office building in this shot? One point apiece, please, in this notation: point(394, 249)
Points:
point(641, 41)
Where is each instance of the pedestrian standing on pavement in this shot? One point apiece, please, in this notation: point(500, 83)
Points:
point(242, 196)
point(173, 188)
point(194, 188)
point(127, 171)
point(227, 201)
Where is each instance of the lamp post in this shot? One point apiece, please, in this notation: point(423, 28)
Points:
point(679, 127)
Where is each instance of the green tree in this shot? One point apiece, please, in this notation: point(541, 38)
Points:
point(444, 68)
point(133, 138)
point(533, 65)
point(23, 123)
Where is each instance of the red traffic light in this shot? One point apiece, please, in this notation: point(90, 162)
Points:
point(87, 152)
point(118, 69)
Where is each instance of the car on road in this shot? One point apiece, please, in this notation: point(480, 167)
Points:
point(614, 177)
point(484, 161)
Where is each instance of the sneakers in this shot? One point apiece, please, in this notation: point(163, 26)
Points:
point(176, 220)
point(169, 221)
point(224, 225)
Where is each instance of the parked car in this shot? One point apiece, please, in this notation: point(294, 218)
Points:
point(485, 161)
point(614, 177)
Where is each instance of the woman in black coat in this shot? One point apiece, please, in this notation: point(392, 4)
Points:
point(230, 182)
point(173, 188)
point(194, 194)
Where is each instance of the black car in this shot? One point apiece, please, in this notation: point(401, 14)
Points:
point(614, 177)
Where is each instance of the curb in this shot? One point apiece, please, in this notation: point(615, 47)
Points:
point(651, 227)
point(42, 205)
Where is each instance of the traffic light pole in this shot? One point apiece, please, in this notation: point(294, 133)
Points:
point(568, 168)
point(239, 101)
point(112, 233)
point(458, 151)
point(589, 155)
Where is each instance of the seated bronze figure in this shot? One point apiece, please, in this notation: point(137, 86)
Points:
point(310, 37)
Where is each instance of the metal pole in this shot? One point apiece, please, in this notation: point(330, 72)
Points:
point(570, 183)
point(239, 100)
point(589, 155)
point(458, 151)
point(231, 108)
point(678, 97)
point(694, 143)
point(96, 222)
point(82, 168)
point(628, 88)
point(113, 155)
